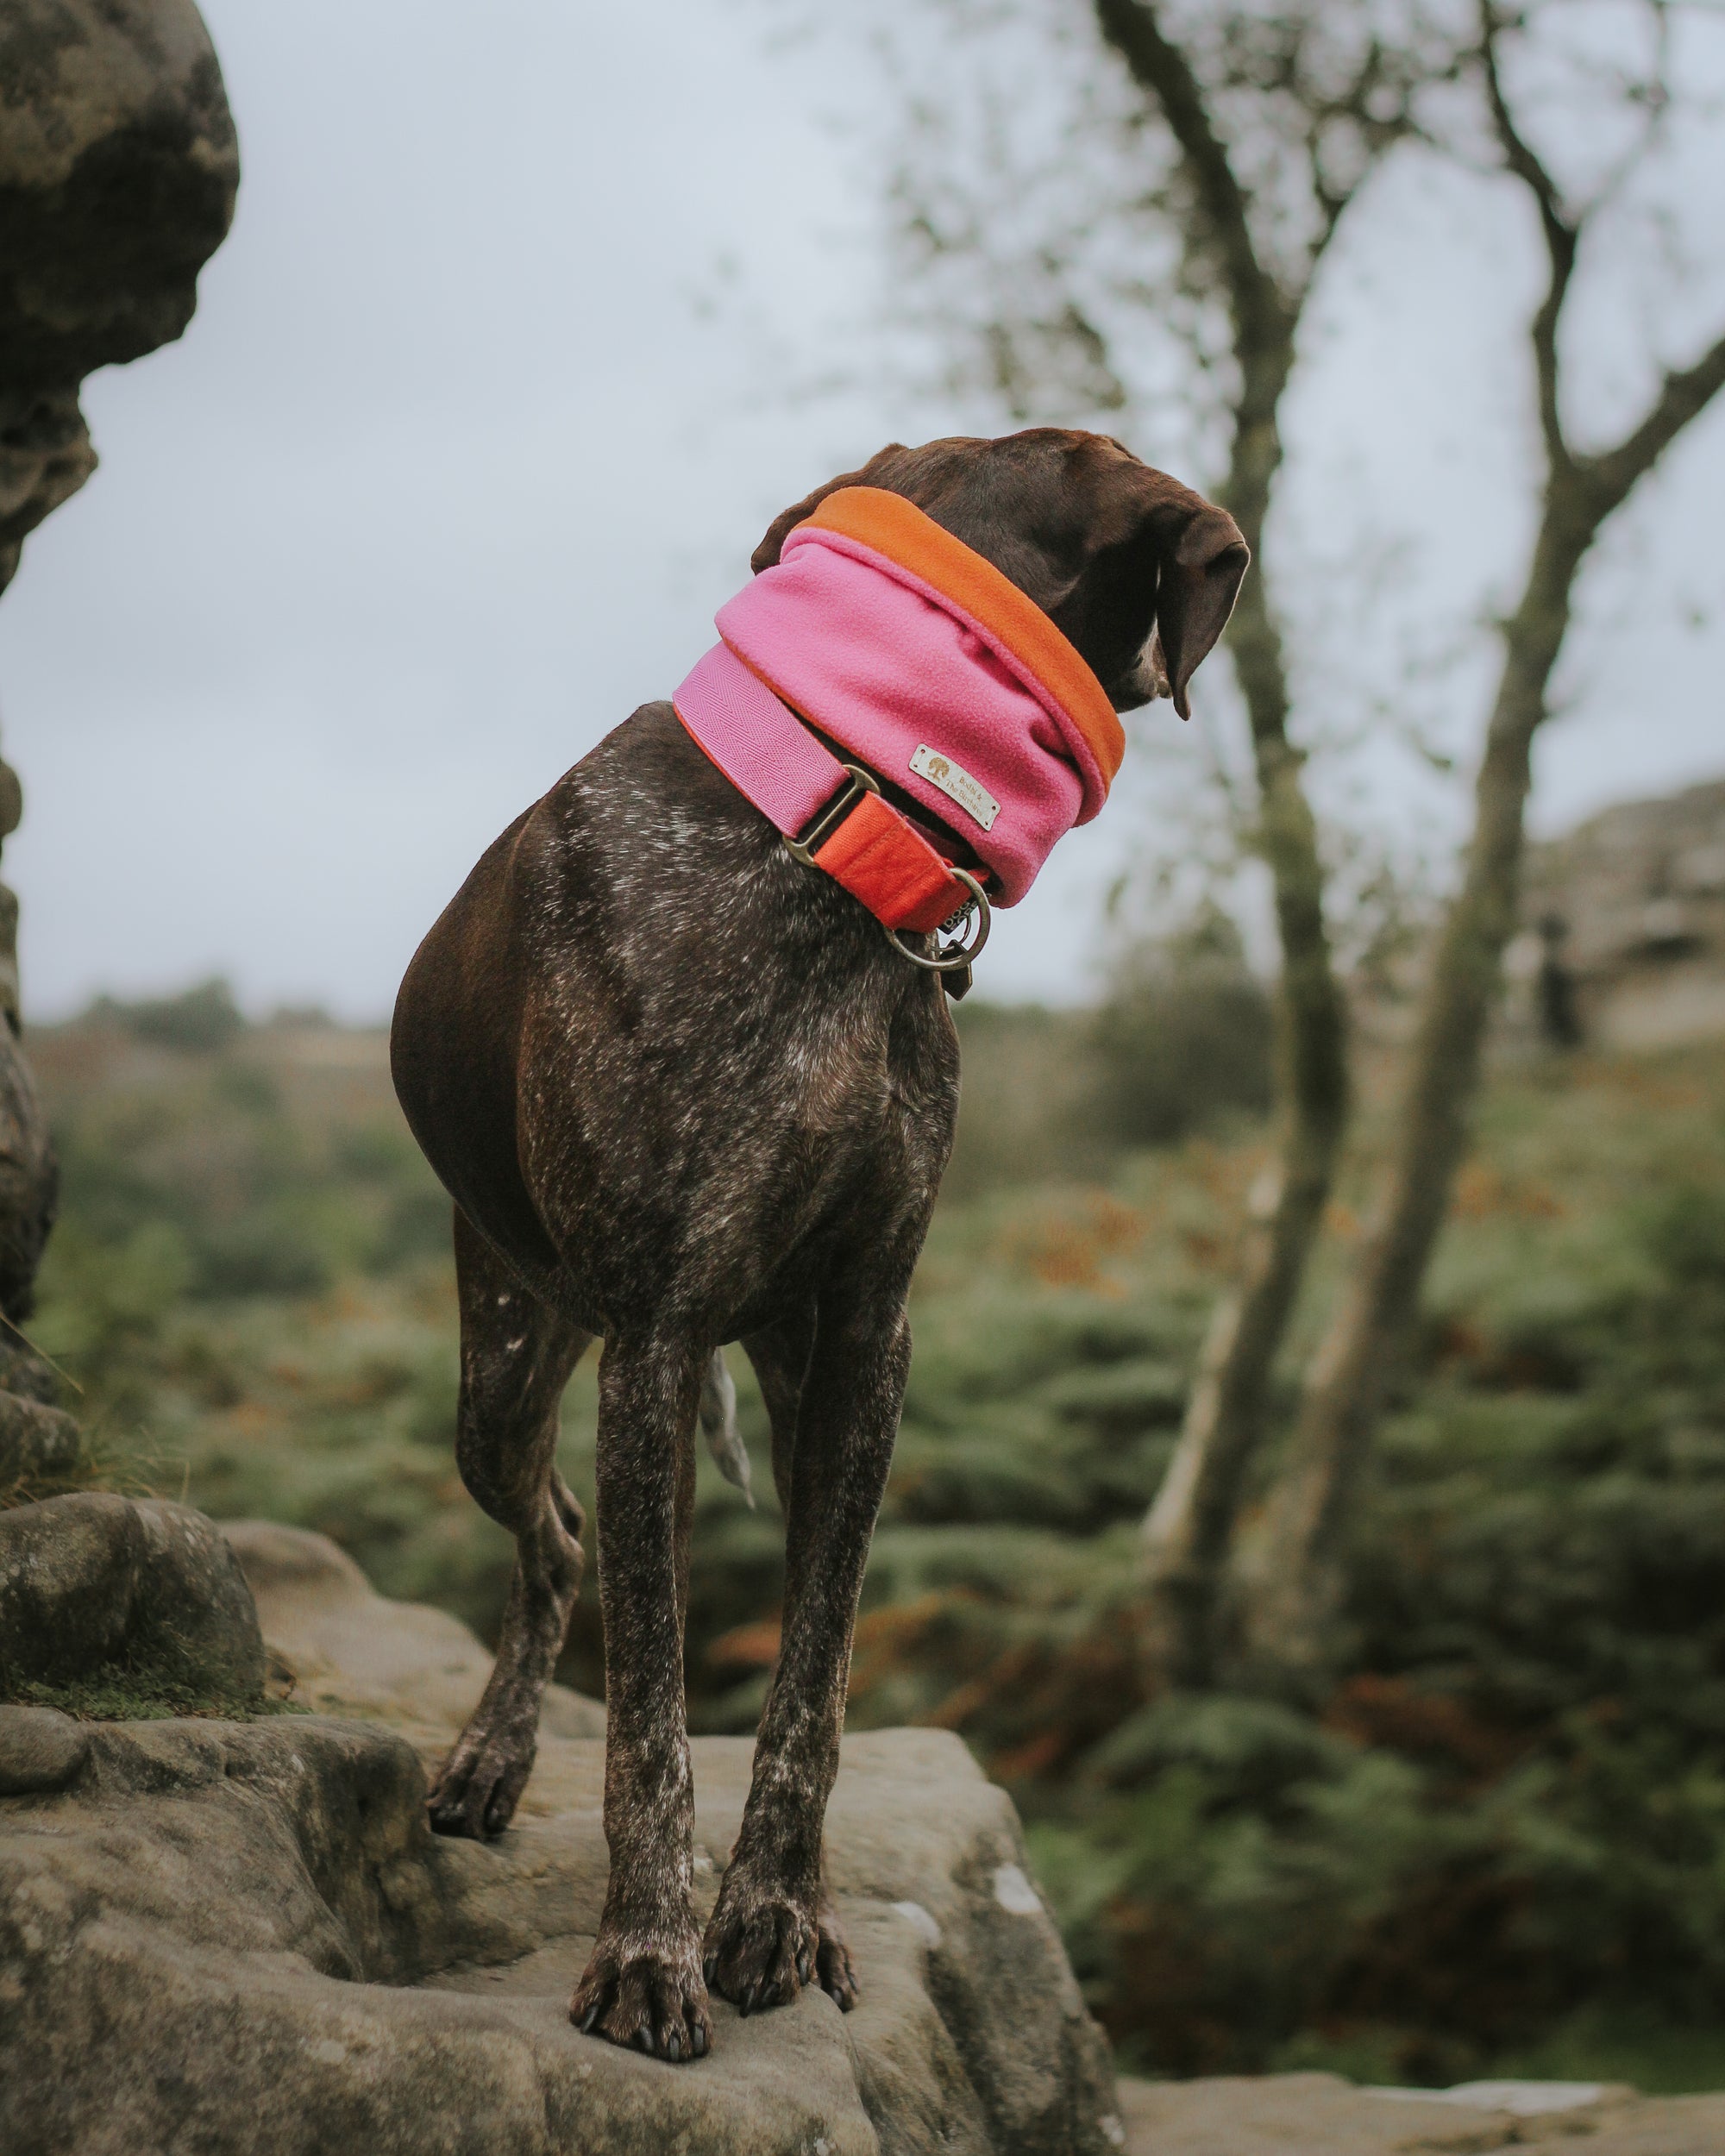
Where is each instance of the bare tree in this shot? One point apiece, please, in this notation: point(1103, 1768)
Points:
point(1296, 1566)
point(1235, 138)
point(1341, 96)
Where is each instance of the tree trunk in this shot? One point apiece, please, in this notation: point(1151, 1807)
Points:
point(1293, 1576)
point(1190, 1527)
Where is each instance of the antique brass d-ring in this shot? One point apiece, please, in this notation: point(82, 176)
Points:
point(952, 961)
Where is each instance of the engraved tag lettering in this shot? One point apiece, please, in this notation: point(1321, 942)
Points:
point(955, 782)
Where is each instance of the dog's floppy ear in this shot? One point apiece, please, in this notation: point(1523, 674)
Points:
point(766, 556)
point(1196, 592)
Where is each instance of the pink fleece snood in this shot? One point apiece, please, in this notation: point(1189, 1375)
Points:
point(897, 672)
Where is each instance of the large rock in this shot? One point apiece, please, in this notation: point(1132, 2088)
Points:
point(141, 1601)
point(242, 1937)
point(118, 168)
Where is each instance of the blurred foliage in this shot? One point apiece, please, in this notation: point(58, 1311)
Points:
point(1183, 1040)
point(1179, 1045)
point(205, 1017)
point(1497, 1844)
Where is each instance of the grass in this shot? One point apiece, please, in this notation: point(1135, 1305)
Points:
point(120, 1696)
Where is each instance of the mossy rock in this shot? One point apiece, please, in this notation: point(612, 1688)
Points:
point(42, 1449)
point(117, 1608)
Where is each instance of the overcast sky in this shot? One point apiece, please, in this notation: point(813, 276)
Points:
point(459, 456)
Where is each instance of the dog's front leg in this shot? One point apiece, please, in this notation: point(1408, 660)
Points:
point(642, 1985)
point(770, 1931)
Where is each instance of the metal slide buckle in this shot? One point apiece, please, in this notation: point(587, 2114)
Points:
point(953, 958)
point(827, 820)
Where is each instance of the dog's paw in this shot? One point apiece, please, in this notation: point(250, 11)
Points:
point(760, 1947)
point(480, 1784)
point(832, 1965)
point(645, 1996)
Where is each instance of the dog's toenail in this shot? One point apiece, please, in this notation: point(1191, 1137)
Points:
point(588, 2020)
point(644, 2037)
point(698, 2043)
point(673, 2047)
point(710, 1968)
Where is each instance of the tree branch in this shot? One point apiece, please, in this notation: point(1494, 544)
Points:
point(1684, 396)
point(1381, 132)
point(1158, 66)
point(1653, 95)
point(1561, 235)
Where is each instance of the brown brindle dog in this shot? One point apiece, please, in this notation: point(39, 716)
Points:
point(683, 1092)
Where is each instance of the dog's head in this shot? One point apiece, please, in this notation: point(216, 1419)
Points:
point(1137, 571)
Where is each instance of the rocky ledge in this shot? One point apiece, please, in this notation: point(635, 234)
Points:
point(239, 1935)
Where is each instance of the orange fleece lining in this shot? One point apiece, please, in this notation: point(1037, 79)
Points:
point(900, 530)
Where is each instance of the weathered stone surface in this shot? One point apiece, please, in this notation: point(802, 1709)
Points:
point(242, 1936)
point(1319, 2114)
point(92, 1585)
point(39, 1749)
point(349, 1652)
point(29, 1175)
point(40, 1447)
point(118, 168)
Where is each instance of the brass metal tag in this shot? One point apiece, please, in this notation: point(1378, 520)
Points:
point(955, 782)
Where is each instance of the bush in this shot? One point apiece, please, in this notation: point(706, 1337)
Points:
point(202, 1020)
point(1184, 1041)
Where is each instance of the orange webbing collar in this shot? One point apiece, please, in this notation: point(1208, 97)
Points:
point(879, 858)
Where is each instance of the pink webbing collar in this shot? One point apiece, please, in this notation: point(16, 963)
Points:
point(792, 777)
